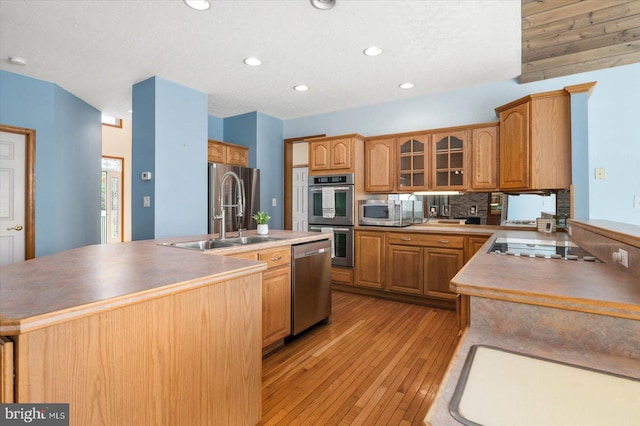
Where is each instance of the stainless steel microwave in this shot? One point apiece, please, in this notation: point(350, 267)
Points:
point(389, 212)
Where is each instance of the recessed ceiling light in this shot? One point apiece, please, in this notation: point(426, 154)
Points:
point(16, 60)
point(323, 4)
point(406, 85)
point(373, 51)
point(300, 88)
point(198, 4)
point(253, 62)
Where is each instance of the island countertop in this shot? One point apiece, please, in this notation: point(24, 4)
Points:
point(82, 281)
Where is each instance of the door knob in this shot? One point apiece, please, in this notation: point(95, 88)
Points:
point(16, 228)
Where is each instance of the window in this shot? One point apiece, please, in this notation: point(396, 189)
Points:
point(108, 120)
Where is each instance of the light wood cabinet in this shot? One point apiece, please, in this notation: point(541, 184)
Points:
point(342, 275)
point(472, 245)
point(276, 292)
point(6, 370)
point(334, 154)
point(440, 265)
point(370, 259)
point(226, 153)
point(483, 159)
point(379, 165)
point(535, 142)
point(405, 269)
point(448, 165)
point(412, 163)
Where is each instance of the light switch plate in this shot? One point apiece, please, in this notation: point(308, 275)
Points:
point(636, 202)
point(146, 201)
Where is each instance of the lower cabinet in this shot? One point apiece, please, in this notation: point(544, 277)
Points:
point(409, 266)
point(370, 259)
point(276, 292)
point(440, 265)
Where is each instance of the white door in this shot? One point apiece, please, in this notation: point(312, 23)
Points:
point(12, 190)
point(300, 194)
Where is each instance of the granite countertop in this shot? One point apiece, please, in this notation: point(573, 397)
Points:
point(572, 285)
point(82, 281)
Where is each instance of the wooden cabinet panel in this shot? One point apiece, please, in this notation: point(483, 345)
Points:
point(412, 155)
point(535, 142)
point(342, 275)
point(275, 257)
point(514, 147)
point(226, 153)
point(426, 240)
point(483, 155)
point(238, 156)
point(448, 163)
point(405, 269)
point(440, 265)
point(341, 154)
point(370, 259)
point(276, 305)
point(319, 156)
point(472, 246)
point(216, 152)
point(379, 165)
point(6, 371)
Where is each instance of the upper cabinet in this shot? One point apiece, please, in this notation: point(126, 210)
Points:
point(535, 142)
point(227, 153)
point(412, 155)
point(483, 159)
point(333, 154)
point(449, 153)
point(379, 165)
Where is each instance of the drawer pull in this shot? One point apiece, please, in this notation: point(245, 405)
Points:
point(273, 259)
point(405, 239)
point(443, 241)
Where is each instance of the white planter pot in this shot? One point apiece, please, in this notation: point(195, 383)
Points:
point(263, 229)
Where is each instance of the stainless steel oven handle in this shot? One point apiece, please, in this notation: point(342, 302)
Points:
point(319, 228)
point(335, 188)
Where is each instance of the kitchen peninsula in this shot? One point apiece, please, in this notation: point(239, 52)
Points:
point(575, 312)
point(138, 333)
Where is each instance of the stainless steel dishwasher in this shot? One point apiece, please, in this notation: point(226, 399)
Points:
point(311, 285)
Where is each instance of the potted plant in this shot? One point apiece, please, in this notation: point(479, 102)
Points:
point(261, 219)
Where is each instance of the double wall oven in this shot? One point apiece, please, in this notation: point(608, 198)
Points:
point(332, 209)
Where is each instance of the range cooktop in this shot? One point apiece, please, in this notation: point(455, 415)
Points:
point(547, 249)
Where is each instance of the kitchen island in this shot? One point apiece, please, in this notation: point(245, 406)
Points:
point(577, 312)
point(137, 333)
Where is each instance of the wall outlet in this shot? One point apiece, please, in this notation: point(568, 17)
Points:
point(146, 201)
point(600, 174)
point(274, 202)
point(636, 202)
point(622, 257)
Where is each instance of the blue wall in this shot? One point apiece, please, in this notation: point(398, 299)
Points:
point(216, 127)
point(243, 130)
point(270, 161)
point(68, 153)
point(170, 130)
point(613, 132)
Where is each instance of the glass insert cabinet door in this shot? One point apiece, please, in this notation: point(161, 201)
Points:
point(449, 159)
point(412, 162)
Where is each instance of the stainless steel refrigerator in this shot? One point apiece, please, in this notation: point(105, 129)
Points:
point(251, 180)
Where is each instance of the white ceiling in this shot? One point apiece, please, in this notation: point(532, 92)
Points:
point(97, 49)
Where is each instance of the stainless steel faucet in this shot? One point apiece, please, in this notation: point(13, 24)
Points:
point(239, 205)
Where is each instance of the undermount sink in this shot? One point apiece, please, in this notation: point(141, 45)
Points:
point(227, 242)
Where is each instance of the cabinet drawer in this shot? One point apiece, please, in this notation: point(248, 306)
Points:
point(426, 240)
point(342, 275)
point(276, 257)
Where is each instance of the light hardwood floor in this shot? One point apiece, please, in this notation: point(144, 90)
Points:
point(377, 362)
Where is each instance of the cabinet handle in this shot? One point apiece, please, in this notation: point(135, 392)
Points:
point(443, 241)
point(405, 239)
point(273, 259)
